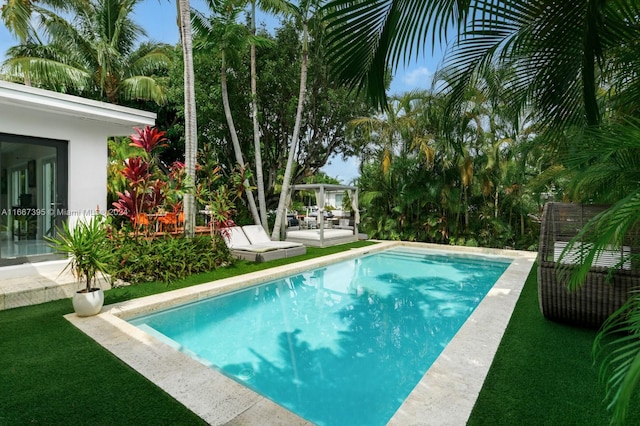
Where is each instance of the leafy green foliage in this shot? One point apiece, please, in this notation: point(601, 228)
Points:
point(423, 180)
point(167, 259)
point(618, 348)
point(89, 48)
point(87, 245)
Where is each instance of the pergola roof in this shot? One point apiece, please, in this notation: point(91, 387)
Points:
point(325, 186)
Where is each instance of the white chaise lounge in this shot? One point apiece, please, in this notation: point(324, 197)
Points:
point(257, 235)
point(242, 248)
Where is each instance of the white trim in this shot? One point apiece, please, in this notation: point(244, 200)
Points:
point(58, 103)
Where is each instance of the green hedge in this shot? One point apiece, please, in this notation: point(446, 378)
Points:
point(166, 259)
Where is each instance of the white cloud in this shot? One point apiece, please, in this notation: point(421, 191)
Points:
point(418, 77)
point(344, 170)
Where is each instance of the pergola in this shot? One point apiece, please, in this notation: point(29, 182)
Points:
point(321, 190)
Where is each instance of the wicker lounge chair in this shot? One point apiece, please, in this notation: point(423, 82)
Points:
point(257, 235)
point(591, 304)
point(242, 248)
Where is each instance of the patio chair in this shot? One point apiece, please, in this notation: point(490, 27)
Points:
point(168, 222)
point(180, 222)
point(242, 248)
point(141, 220)
point(257, 235)
point(598, 297)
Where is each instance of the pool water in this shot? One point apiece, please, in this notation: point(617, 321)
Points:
point(340, 345)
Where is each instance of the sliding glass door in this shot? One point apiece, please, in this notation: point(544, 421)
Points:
point(33, 194)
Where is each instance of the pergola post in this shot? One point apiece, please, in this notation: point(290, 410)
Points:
point(356, 212)
point(320, 201)
point(320, 191)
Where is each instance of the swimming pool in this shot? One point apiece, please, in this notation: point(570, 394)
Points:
point(446, 394)
point(342, 344)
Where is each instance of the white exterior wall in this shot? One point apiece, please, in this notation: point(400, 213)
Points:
point(87, 152)
point(85, 124)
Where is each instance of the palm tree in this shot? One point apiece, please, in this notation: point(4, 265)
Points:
point(573, 63)
point(271, 6)
point(257, 147)
point(305, 11)
point(95, 54)
point(233, 37)
point(395, 129)
point(191, 130)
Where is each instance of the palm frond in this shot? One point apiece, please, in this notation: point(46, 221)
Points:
point(606, 231)
point(148, 64)
point(277, 7)
point(365, 36)
point(47, 73)
point(141, 87)
point(16, 15)
point(617, 346)
point(606, 166)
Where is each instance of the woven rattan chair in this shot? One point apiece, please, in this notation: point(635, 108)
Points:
point(598, 298)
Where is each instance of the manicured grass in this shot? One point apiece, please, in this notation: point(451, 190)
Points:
point(543, 373)
point(53, 374)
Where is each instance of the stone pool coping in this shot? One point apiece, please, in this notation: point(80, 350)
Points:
point(445, 395)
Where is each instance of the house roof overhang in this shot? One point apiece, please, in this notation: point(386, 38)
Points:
point(14, 95)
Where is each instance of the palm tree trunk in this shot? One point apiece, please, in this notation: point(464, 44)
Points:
point(466, 209)
point(286, 183)
point(256, 127)
point(191, 129)
point(591, 45)
point(234, 137)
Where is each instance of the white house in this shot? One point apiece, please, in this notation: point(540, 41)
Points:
point(53, 163)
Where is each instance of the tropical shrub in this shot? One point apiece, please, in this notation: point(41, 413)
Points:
point(138, 260)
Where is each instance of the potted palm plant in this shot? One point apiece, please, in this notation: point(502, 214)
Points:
point(90, 252)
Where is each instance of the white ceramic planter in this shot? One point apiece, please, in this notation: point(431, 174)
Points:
point(88, 304)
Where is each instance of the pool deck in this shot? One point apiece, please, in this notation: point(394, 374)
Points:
point(445, 395)
point(33, 283)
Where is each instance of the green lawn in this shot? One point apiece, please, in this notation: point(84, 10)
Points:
point(543, 373)
point(51, 373)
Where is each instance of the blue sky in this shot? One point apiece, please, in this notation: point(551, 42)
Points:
point(158, 18)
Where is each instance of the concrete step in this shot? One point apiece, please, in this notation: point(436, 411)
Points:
point(34, 283)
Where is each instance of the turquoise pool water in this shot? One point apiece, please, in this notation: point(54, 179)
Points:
point(340, 345)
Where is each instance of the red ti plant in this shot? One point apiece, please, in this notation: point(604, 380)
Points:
point(175, 188)
point(148, 139)
point(136, 171)
point(127, 204)
point(155, 196)
point(222, 208)
point(145, 193)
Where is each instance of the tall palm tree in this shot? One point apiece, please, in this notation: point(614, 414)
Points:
point(306, 11)
point(233, 37)
point(257, 147)
point(191, 129)
point(270, 6)
point(394, 131)
point(94, 54)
